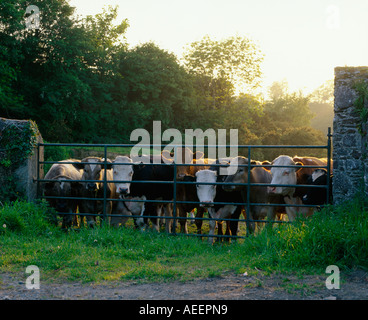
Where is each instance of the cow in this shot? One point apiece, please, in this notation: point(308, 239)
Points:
point(187, 192)
point(63, 171)
point(153, 191)
point(292, 176)
point(318, 196)
point(122, 168)
point(127, 207)
point(93, 169)
point(257, 194)
point(209, 194)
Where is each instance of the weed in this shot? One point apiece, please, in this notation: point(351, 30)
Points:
point(337, 235)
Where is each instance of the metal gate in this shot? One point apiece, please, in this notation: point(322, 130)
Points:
point(247, 204)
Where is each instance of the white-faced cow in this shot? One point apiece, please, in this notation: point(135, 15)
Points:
point(93, 169)
point(293, 176)
point(58, 172)
point(122, 171)
point(131, 206)
point(211, 193)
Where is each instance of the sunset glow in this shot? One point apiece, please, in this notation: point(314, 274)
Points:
point(302, 41)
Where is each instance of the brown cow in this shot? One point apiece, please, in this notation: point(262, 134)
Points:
point(188, 192)
point(63, 171)
point(290, 176)
point(94, 170)
point(258, 194)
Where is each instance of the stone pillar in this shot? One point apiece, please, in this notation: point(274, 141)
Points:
point(18, 159)
point(348, 143)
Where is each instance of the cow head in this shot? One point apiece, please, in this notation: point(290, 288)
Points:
point(206, 192)
point(92, 170)
point(183, 155)
point(59, 188)
point(315, 195)
point(283, 176)
point(240, 176)
point(121, 173)
point(135, 207)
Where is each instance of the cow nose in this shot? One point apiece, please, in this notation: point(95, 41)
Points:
point(206, 204)
point(271, 189)
point(123, 191)
point(91, 186)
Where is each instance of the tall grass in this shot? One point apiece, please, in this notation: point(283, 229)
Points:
point(336, 235)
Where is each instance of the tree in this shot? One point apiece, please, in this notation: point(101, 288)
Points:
point(288, 110)
point(219, 68)
point(61, 74)
point(156, 88)
point(278, 90)
point(236, 59)
point(10, 56)
point(321, 105)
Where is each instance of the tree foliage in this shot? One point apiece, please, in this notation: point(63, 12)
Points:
point(81, 82)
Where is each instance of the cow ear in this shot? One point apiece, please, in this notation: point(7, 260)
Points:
point(77, 165)
point(108, 163)
point(298, 164)
point(266, 165)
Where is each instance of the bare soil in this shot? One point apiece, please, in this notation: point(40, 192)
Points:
point(353, 286)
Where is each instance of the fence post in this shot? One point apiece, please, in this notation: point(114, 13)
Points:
point(329, 135)
point(173, 231)
point(248, 194)
point(105, 186)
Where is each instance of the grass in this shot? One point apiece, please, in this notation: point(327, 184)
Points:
point(28, 236)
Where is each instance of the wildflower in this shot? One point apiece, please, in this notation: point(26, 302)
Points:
point(4, 226)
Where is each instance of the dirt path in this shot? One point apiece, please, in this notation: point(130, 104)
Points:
point(353, 286)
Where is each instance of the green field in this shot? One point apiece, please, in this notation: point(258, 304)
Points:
point(28, 236)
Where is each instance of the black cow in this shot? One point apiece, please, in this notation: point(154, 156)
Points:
point(153, 191)
point(318, 196)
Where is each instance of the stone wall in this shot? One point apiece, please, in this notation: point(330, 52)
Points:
point(18, 159)
point(349, 146)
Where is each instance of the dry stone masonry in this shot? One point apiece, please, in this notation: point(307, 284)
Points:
point(18, 159)
point(349, 145)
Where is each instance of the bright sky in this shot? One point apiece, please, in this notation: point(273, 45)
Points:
point(303, 41)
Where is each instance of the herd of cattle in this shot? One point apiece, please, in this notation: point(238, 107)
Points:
point(146, 191)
